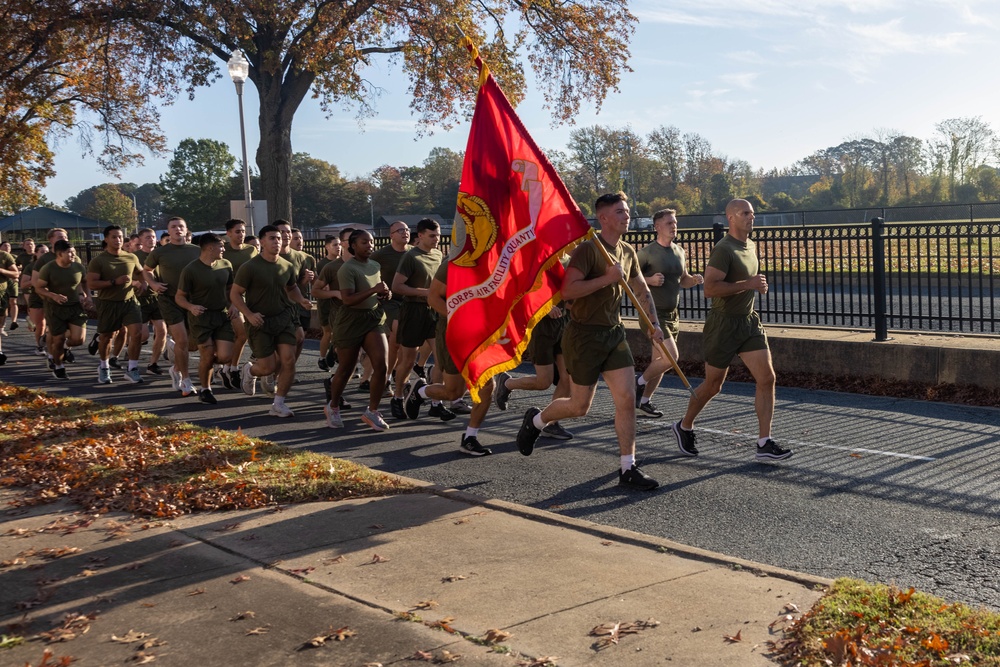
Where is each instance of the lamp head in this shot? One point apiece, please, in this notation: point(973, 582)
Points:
point(239, 67)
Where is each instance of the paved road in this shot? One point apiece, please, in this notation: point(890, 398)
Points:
point(898, 491)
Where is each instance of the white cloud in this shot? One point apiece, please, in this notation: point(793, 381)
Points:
point(743, 80)
point(889, 37)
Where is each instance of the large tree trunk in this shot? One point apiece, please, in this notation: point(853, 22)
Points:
point(278, 102)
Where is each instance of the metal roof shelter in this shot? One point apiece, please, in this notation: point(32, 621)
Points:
point(35, 222)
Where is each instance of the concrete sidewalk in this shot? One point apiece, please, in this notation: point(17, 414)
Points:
point(359, 567)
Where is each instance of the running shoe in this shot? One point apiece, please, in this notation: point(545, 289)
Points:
point(639, 389)
point(365, 386)
point(772, 451)
point(323, 366)
point(227, 380)
point(470, 445)
point(94, 344)
point(104, 375)
point(344, 405)
point(235, 377)
point(40, 351)
point(556, 432)
point(396, 408)
point(414, 400)
point(333, 418)
point(168, 350)
point(14, 326)
point(441, 412)
point(281, 411)
point(3, 358)
point(267, 383)
point(686, 440)
point(132, 375)
point(114, 363)
point(175, 378)
point(420, 371)
point(637, 479)
point(374, 419)
point(60, 374)
point(206, 396)
point(461, 407)
point(154, 369)
point(248, 383)
point(501, 395)
point(186, 387)
point(649, 409)
point(528, 433)
point(69, 357)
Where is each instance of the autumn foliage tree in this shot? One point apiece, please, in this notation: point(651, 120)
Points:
point(302, 47)
point(66, 66)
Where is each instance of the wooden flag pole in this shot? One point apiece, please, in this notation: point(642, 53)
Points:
point(644, 316)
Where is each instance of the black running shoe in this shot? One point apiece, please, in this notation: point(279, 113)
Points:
point(154, 369)
point(639, 389)
point(59, 373)
point(323, 366)
point(68, 356)
point(327, 381)
point(686, 440)
point(365, 386)
point(441, 412)
point(771, 451)
point(3, 358)
point(344, 405)
point(114, 363)
point(331, 359)
point(206, 396)
point(637, 479)
point(501, 395)
point(227, 380)
point(420, 371)
point(93, 345)
point(396, 408)
point(52, 364)
point(14, 326)
point(528, 433)
point(649, 409)
point(470, 445)
point(414, 400)
point(556, 432)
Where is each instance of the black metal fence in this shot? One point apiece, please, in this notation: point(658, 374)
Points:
point(919, 276)
point(936, 277)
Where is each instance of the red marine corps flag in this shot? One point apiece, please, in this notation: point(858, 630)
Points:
point(515, 220)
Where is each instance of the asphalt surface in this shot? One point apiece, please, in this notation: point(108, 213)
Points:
point(897, 491)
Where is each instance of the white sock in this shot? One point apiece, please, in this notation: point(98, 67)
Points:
point(201, 388)
point(133, 364)
point(763, 441)
point(644, 400)
point(537, 421)
point(471, 432)
point(628, 460)
point(104, 363)
point(641, 381)
point(226, 368)
point(279, 400)
point(422, 392)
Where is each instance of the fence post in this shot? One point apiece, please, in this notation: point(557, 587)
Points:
point(718, 231)
point(878, 279)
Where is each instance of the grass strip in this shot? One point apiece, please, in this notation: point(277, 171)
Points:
point(107, 458)
point(862, 624)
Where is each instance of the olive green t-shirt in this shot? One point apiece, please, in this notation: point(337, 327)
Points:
point(388, 258)
point(358, 277)
point(603, 307)
point(112, 267)
point(43, 260)
point(24, 261)
point(65, 281)
point(441, 275)
point(238, 257)
point(329, 277)
point(266, 285)
point(738, 260)
point(145, 295)
point(419, 267)
point(668, 260)
point(7, 261)
point(169, 260)
point(207, 285)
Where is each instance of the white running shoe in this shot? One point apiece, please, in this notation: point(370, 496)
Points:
point(374, 419)
point(280, 411)
point(333, 418)
point(186, 387)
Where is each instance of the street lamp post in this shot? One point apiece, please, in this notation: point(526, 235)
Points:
point(372, 205)
point(239, 69)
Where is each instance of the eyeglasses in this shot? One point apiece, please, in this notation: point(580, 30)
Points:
point(402, 230)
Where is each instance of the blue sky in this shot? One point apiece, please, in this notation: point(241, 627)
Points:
point(766, 81)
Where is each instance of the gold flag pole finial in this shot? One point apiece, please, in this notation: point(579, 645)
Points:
point(477, 61)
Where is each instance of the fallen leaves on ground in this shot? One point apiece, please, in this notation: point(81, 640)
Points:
point(107, 458)
point(494, 636)
point(197, 591)
point(130, 637)
point(334, 635)
point(426, 604)
point(611, 633)
point(243, 615)
point(453, 577)
point(543, 661)
point(443, 624)
point(262, 630)
point(441, 658)
point(73, 626)
point(734, 639)
point(379, 559)
point(240, 579)
point(47, 660)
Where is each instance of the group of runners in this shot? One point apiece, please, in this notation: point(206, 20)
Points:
point(386, 308)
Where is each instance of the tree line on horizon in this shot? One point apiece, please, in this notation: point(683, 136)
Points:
point(664, 169)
